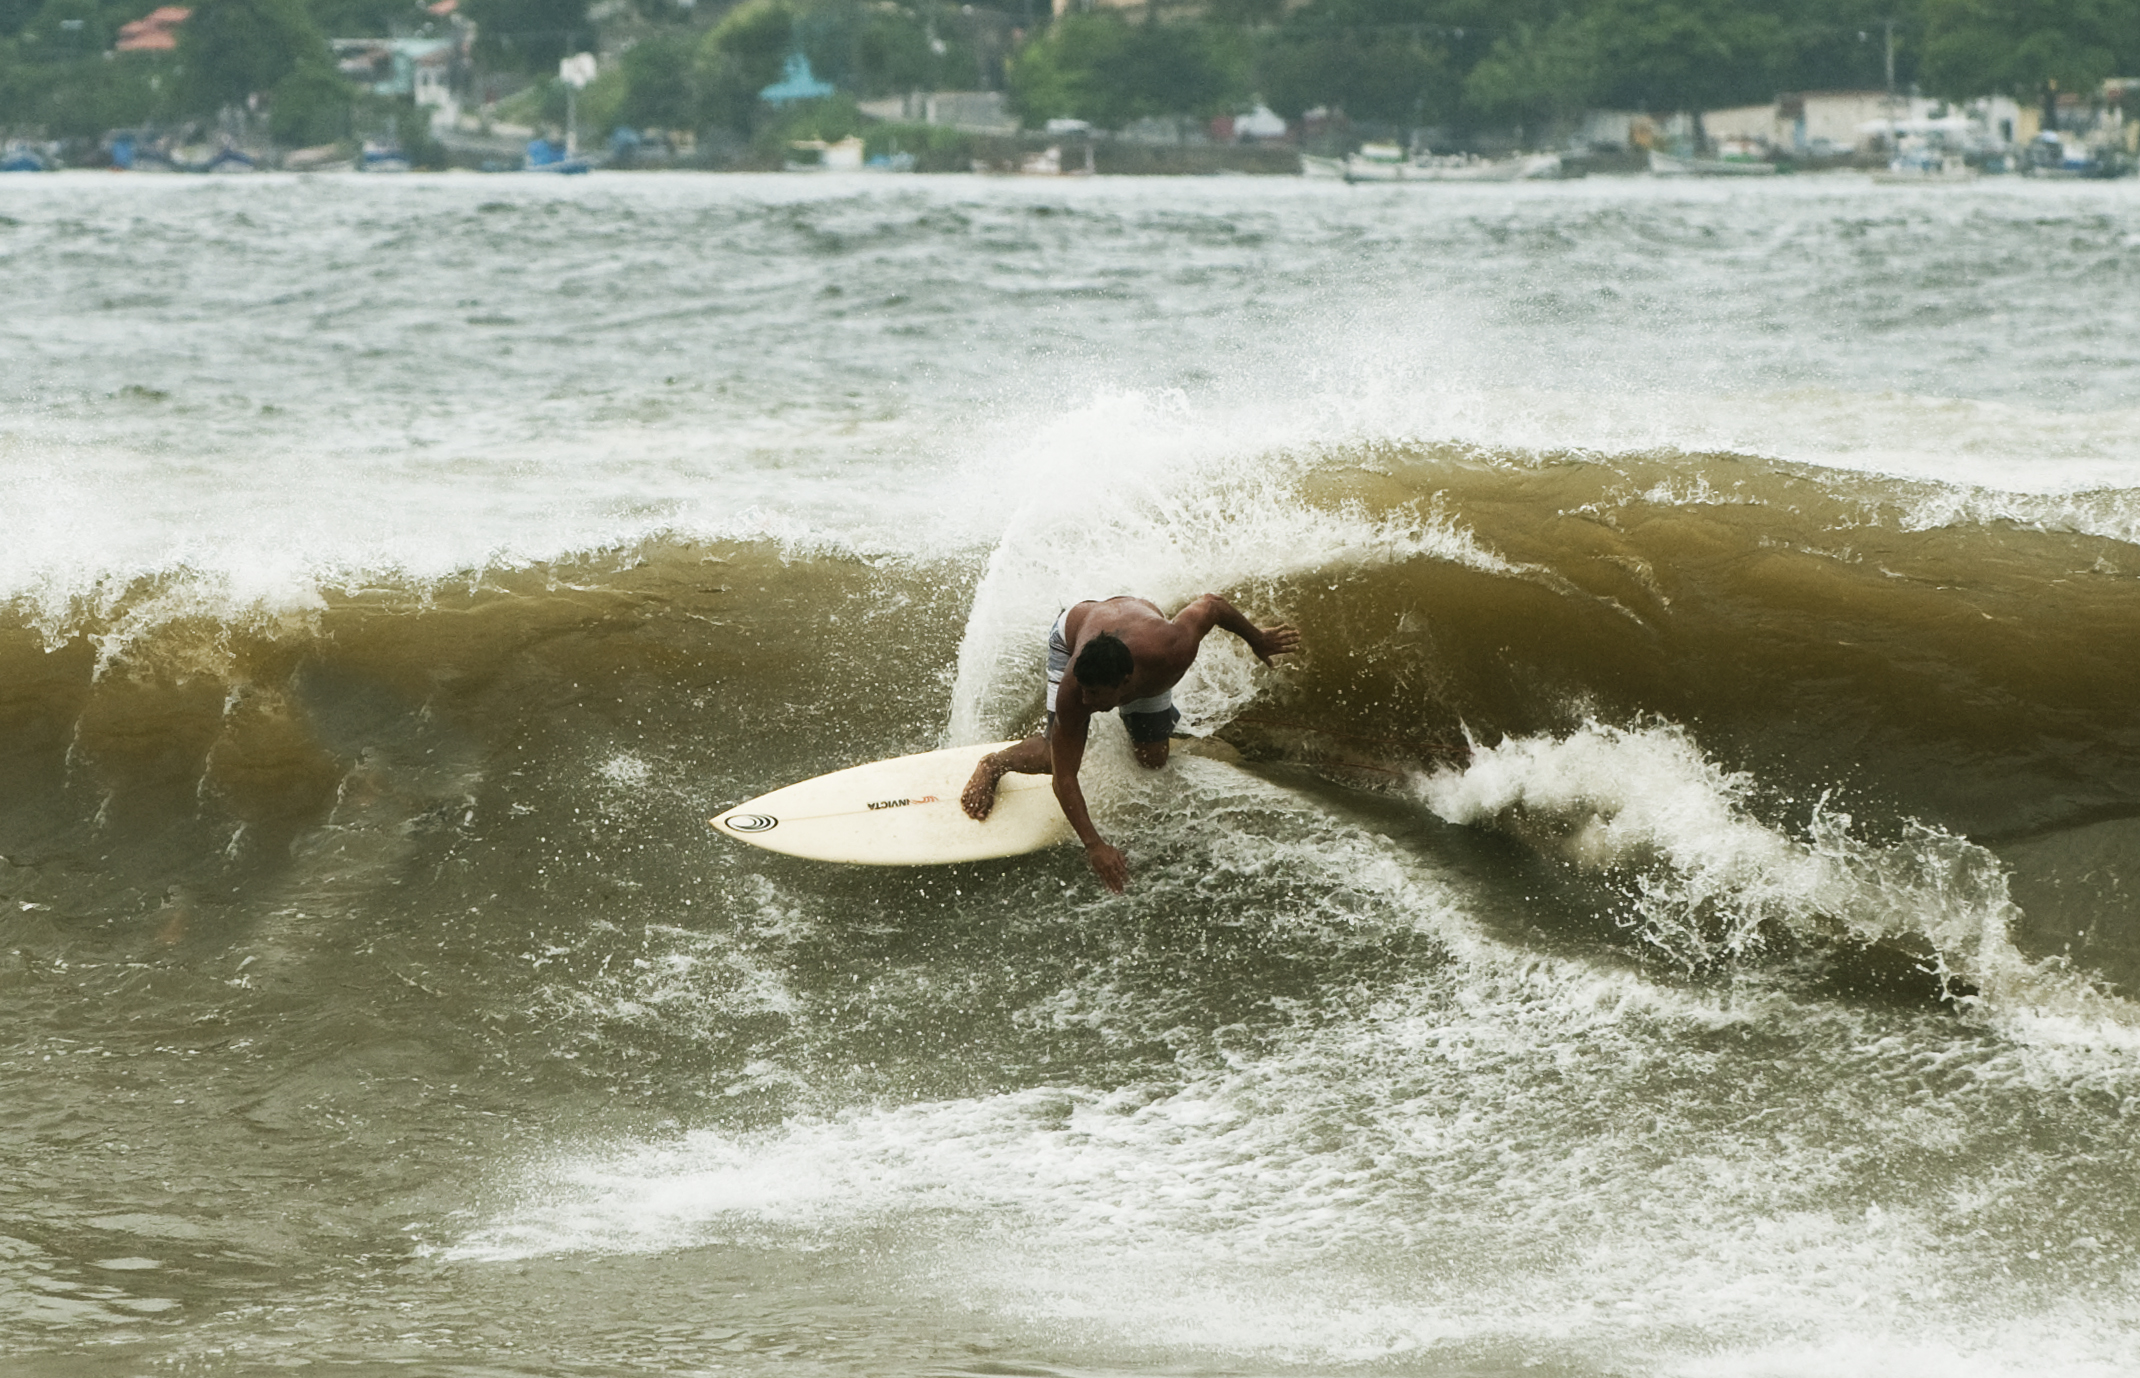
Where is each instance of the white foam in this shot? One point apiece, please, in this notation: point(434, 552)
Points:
point(1492, 1153)
point(1148, 496)
point(625, 771)
point(1705, 874)
point(2071, 1341)
point(1956, 445)
point(1471, 1163)
point(2090, 510)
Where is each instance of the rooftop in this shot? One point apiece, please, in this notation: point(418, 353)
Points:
point(154, 32)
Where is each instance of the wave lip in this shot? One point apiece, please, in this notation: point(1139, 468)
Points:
point(1167, 509)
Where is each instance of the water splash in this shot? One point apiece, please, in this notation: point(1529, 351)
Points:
point(1707, 881)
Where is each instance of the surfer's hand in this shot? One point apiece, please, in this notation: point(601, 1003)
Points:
point(1109, 865)
point(979, 796)
point(1274, 641)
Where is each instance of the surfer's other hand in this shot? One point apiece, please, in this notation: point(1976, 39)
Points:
point(1109, 865)
point(1275, 641)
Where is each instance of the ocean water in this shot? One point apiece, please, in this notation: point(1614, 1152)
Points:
point(1676, 916)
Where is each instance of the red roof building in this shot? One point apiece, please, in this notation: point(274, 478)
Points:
point(155, 32)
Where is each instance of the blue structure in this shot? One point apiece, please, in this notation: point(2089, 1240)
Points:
point(797, 84)
point(544, 156)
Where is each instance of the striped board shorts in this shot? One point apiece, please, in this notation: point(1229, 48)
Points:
point(1148, 719)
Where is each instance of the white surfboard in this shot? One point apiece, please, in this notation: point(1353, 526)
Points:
point(901, 812)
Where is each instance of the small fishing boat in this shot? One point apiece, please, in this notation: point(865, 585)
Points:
point(544, 156)
point(1388, 163)
point(1922, 167)
point(1377, 163)
point(1667, 165)
point(23, 160)
point(819, 155)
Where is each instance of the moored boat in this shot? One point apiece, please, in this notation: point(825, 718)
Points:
point(1668, 165)
point(1924, 168)
point(1387, 163)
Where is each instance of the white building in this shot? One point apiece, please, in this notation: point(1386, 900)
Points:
point(1836, 122)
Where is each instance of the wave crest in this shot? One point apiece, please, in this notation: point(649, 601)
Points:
point(1705, 880)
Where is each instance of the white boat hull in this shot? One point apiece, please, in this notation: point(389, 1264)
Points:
point(1665, 165)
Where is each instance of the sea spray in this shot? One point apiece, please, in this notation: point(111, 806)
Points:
point(1706, 881)
point(1165, 507)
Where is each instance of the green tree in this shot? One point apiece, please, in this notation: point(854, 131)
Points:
point(1399, 80)
point(892, 53)
point(309, 106)
point(882, 49)
point(1468, 29)
point(1384, 61)
point(232, 49)
point(1533, 77)
point(365, 18)
point(741, 56)
point(600, 106)
point(412, 130)
point(1841, 45)
point(85, 97)
point(830, 118)
point(65, 31)
point(826, 32)
point(531, 35)
point(1244, 13)
point(1679, 54)
point(660, 90)
point(1099, 67)
point(2026, 47)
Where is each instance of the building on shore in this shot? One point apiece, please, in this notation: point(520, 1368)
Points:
point(1821, 124)
point(430, 69)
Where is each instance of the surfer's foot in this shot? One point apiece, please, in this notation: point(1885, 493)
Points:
point(979, 795)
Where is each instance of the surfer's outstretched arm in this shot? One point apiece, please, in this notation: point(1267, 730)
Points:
point(1067, 745)
point(1213, 611)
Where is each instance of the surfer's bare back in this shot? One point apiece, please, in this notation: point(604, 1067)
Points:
point(1122, 654)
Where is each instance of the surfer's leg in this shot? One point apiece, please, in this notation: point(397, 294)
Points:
point(1029, 757)
point(1151, 731)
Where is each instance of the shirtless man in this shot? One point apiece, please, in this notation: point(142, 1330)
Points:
point(1123, 654)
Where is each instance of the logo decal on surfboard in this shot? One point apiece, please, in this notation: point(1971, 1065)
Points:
point(901, 803)
point(751, 822)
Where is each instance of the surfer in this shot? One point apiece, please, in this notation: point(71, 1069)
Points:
point(1122, 654)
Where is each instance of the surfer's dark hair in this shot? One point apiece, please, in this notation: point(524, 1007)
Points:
point(1103, 663)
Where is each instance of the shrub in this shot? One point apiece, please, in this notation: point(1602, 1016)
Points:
point(310, 106)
